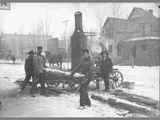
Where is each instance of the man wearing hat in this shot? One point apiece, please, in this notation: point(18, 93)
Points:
point(39, 71)
point(28, 69)
point(85, 68)
point(105, 68)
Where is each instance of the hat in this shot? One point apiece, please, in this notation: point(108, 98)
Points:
point(39, 47)
point(104, 52)
point(85, 50)
point(31, 52)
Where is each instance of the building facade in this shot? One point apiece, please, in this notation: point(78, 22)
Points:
point(140, 23)
point(20, 44)
point(53, 45)
point(141, 51)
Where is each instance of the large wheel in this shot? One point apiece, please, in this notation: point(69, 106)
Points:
point(117, 78)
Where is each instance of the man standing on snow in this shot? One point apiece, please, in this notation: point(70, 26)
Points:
point(28, 69)
point(105, 68)
point(39, 71)
point(85, 68)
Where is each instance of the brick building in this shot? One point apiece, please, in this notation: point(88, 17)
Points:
point(140, 23)
point(19, 44)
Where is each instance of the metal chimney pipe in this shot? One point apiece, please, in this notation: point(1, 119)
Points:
point(78, 21)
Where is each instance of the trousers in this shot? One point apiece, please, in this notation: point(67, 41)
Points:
point(105, 77)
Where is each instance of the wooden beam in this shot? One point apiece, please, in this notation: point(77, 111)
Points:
point(128, 107)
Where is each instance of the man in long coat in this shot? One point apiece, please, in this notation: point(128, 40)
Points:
point(105, 68)
point(28, 69)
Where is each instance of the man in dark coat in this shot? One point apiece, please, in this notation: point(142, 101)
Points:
point(105, 68)
point(28, 69)
point(85, 68)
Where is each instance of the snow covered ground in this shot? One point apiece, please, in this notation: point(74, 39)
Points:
point(146, 83)
point(146, 80)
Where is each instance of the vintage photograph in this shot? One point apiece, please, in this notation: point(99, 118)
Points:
point(79, 59)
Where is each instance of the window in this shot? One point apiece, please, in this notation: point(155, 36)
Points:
point(146, 29)
point(134, 50)
point(144, 46)
point(110, 48)
point(118, 50)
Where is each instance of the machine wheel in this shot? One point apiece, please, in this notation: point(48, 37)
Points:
point(117, 79)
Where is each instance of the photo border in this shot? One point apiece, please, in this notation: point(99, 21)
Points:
point(79, 118)
point(97, 1)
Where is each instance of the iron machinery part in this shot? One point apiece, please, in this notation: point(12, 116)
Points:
point(117, 78)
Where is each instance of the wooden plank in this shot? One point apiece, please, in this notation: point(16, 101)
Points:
point(141, 100)
point(120, 105)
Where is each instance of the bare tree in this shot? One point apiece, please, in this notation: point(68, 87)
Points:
point(116, 10)
point(100, 15)
point(42, 28)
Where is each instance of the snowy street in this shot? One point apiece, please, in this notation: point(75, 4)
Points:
point(145, 83)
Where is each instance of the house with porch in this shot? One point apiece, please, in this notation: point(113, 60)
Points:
point(140, 24)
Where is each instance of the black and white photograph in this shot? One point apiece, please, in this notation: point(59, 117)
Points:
point(79, 59)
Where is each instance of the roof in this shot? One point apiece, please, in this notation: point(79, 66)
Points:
point(115, 20)
point(142, 38)
point(123, 25)
point(135, 12)
point(23, 35)
point(139, 12)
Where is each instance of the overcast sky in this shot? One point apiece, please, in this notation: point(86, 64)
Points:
point(25, 17)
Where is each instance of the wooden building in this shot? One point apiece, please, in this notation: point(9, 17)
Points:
point(140, 23)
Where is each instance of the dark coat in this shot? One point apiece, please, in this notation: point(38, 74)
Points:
point(38, 64)
point(29, 64)
point(85, 68)
point(84, 65)
point(106, 65)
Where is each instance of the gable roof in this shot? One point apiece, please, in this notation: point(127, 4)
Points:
point(139, 12)
point(123, 25)
point(114, 20)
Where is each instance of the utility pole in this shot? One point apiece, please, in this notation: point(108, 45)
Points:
point(66, 41)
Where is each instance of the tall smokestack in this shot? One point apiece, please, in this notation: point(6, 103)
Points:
point(78, 41)
point(78, 21)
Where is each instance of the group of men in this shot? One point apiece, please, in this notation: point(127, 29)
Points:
point(35, 69)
